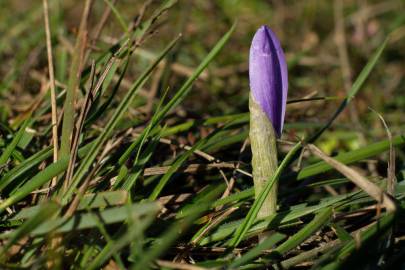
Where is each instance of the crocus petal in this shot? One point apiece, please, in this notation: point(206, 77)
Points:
point(268, 76)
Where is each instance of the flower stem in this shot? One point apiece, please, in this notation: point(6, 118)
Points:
point(264, 156)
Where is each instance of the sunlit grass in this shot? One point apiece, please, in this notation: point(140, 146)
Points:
point(154, 166)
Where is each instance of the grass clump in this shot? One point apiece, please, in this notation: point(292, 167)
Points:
point(123, 136)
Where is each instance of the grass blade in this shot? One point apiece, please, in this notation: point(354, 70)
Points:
point(89, 201)
point(73, 84)
point(13, 144)
point(257, 250)
point(45, 211)
point(119, 112)
point(175, 231)
point(254, 210)
point(351, 157)
point(309, 229)
point(353, 91)
point(31, 162)
point(88, 220)
point(36, 182)
point(348, 256)
point(183, 91)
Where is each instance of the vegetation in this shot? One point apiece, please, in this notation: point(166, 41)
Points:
point(124, 136)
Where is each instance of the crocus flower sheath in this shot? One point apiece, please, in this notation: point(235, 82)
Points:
point(269, 86)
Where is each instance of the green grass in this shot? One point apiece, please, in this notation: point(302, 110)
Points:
point(161, 173)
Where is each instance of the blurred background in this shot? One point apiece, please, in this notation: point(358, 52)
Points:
point(327, 43)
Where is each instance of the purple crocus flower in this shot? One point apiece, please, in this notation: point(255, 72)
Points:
point(268, 76)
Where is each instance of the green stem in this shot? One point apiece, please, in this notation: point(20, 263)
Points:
point(264, 156)
point(73, 85)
